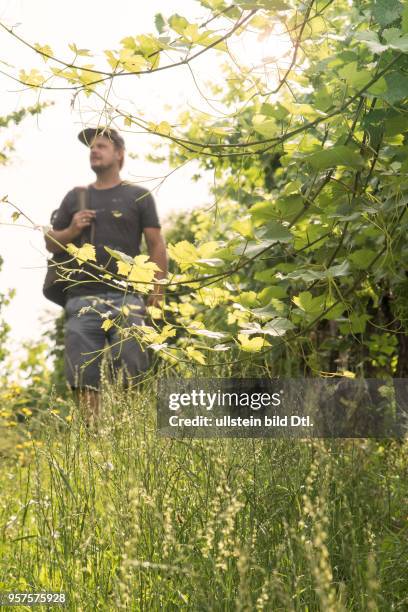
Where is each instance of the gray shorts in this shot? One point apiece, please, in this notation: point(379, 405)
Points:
point(84, 337)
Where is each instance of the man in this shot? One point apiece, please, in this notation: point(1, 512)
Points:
point(119, 213)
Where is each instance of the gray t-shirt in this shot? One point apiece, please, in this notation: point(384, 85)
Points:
point(122, 212)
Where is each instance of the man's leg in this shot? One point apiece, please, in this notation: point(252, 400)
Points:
point(84, 339)
point(88, 401)
point(127, 353)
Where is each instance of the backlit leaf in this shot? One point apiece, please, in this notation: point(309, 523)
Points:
point(107, 324)
point(340, 155)
point(84, 253)
point(196, 355)
point(252, 345)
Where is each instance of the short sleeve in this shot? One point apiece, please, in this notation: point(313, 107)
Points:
point(148, 210)
point(61, 218)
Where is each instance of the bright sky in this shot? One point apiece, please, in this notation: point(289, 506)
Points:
point(49, 160)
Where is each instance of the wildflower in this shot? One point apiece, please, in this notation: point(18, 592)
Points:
point(11, 520)
point(16, 389)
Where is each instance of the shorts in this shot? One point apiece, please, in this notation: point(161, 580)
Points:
point(84, 338)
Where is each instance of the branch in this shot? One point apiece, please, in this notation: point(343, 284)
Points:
point(110, 75)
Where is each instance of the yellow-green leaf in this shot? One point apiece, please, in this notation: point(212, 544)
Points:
point(154, 312)
point(113, 61)
point(83, 52)
point(196, 355)
point(33, 78)
point(107, 324)
point(178, 23)
point(184, 253)
point(252, 345)
point(244, 227)
point(140, 274)
point(83, 253)
point(186, 310)
point(123, 268)
point(131, 61)
point(44, 50)
point(86, 76)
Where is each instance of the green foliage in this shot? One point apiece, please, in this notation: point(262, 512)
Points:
point(310, 185)
point(386, 12)
point(325, 226)
point(15, 118)
point(5, 299)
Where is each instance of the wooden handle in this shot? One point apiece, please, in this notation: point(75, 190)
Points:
point(83, 197)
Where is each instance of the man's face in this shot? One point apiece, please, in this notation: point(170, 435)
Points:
point(104, 155)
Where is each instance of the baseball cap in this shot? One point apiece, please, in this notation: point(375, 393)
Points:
point(87, 136)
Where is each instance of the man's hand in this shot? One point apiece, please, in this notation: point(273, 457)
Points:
point(81, 220)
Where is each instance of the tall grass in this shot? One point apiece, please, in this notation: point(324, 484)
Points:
point(122, 519)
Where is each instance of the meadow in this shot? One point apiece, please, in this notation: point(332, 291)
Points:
point(122, 519)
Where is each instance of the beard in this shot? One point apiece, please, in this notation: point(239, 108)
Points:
point(100, 168)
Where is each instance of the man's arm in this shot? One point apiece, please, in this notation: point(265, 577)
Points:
point(157, 253)
point(80, 220)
